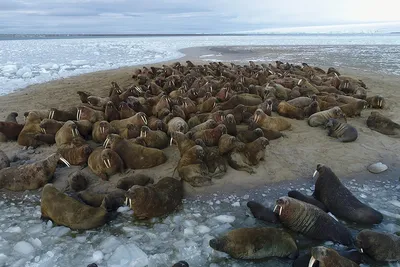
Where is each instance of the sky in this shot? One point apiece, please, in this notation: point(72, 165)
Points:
point(190, 16)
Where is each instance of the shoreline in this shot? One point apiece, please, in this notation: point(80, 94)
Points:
point(301, 150)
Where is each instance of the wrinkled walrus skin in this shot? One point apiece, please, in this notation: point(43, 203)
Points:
point(65, 210)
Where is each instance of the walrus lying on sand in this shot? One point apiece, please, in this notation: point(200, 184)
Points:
point(342, 131)
point(383, 125)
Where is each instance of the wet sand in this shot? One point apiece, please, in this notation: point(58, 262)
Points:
point(291, 158)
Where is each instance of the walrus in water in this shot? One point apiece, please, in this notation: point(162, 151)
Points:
point(12, 117)
point(342, 131)
point(340, 201)
point(311, 221)
point(256, 243)
point(137, 179)
point(64, 210)
point(376, 101)
point(30, 176)
point(105, 163)
point(379, 246)
point(155, 200)
point(308, 199)
point(135, 156)
point(268, 122)
point(262, 213)
point(322, 117)
point(383, 125)
point(329, 258)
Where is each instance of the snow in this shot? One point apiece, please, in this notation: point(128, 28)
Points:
point(26, 62)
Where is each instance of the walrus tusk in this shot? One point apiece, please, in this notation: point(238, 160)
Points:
point(299, 82)
point(106, 142)
point(109, 163)
point(280, 210)
point(170, 141)
point(315, 173)
point(77, 132)
point(362, 251)
point(276, 206)
point(144, 119)
point(337, 76)
point(73, 132)
point(333, 216)
point(101, 129)
point(105, 163)
point(126, 201)
point(211, 89)
point(312, 261)
point(65, 162)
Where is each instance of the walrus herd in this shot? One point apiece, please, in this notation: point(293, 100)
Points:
point(217, 115)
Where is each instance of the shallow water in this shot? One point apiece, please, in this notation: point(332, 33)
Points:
point(183, 235)
point(25, 62)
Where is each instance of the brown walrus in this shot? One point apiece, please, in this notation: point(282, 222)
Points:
point(139, 119)
point(12, 117)
point(311, 221)
point(244, 99)
point(340, 201)
point(137, 179)
point(62, 115)
point(353, 109)
point(92, 115)
point(192, 169)
point(322, 117)
point(227, 143)
point(210, 136)
point(376, 101)
point(379, 246)
point(30, 129)
point(177, 124)
point(30, 176)
point(155, 200)
point(287, 110)
point(183, 141)
point(300, 102)
point(101, 129)
point(50, 126)
point(111, 113)
point(208, 124)
point(311, 109)
point(215, 163)
point(66, 133)
point(76, 152)
point(274, 123)
point(328, 257)
point(125, 111)
point(383, 125)
point(155, 139)
point(268, 133)
point(250, 135)
point(77, 181)
point(105, 162)
point(131, 131)
point(10, 130)
point(67, 211)
point(135, 156)
point(342, 131)
point(256, 243)
point(230, 124)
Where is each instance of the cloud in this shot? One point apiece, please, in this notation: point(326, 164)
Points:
point(184, 16)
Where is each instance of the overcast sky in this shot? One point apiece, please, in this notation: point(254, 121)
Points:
point(186, 16)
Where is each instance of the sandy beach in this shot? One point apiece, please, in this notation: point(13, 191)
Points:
point(290, 158)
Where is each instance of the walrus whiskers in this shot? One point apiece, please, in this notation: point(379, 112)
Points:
point(65, 162)
point(312, 261)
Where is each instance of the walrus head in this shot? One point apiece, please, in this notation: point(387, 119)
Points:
point(181, 264)
point(320, 168)
point(110, 105)
point(337, 111)
point(55, 157)
point(74, 129)
point(111, 139)
point(51, 113)
point(321, 254)
point(50, 126)
point(330, 123)
point(217, 243)
point(144, 131)
point(142, 117)
point(230, 119)
point(106, 156)
point(115, 86)
point(281, 204)
point(13, 114)
point(258, 114)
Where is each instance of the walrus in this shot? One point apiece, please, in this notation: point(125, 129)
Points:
point(353, 109)
point(125, 111)
point(215, 163)
point(311, 109)
point(308, 199)
point(383, 125)
point(105, 163)
point(250, 135)
point(155, 200)
point(321, 118)
point(270, 134)
point(10, 130)
point(340, 201)
point(50, 126)
point(311, 221)
point(287, 110)
point(208, 124)
point(139, 119)
point(351, 254)
point(135, 156)
point(41, 114)
point(262, 213)
point(244, 99)
point(379, 246)
point(4, 160)
point(66, 133)
point(62, 115)
point(155, 139)
point(131, 131)
point(376, 101)
point(27, 135)
point(177, 124)
point(137, 179)
point(228, 142)
point(211, 136)
point(64, 210)
point(111, 113)
point(256, 243)
point(77, 181)
point(92, 115)
point(83, 95)
point(274, 123)
point(181, 264)
point(208, 105)
point(230, 124)
point(342, 131)
point(30, 176)
point(192, 169)
point(12, 117)
point(85, 128)
point(101, 129)
point(75, 152)
point(300, 102)
point(329, 258)
point(183, 141)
